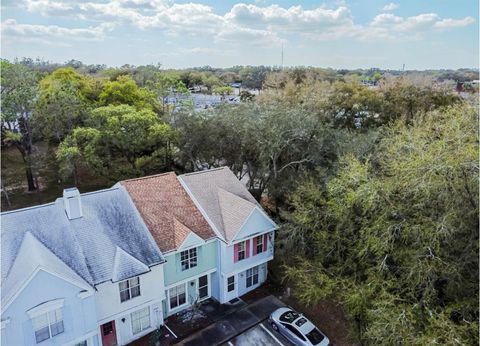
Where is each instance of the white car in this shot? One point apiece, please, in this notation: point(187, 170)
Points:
point(297, 328)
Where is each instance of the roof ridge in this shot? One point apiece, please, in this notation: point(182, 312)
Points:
point(29, 208)
point(205, 171)
point(148, 176)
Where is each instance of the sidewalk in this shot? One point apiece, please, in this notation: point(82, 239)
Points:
point(233, 324)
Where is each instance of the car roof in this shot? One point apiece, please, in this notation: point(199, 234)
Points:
point(306, 327)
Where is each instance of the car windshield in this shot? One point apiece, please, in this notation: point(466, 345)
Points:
point(301, 321)
point(315, 336)
point(289, 316)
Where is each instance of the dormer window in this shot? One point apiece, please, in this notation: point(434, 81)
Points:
point(129, 289)
point(188, 259)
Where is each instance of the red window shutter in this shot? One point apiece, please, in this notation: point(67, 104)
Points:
point(235, 253)
point(247, 246)
point(254, 246)
point(265, 240)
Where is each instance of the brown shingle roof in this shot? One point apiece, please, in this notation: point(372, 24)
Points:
point(167, 210)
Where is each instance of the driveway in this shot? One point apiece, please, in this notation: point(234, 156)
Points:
point(261, 334)
point(233, 325)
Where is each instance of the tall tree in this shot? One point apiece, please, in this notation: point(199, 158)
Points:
point(395, 237)
point(19, 90)
point(119, 142)
point(125, 91)
point(64, 100)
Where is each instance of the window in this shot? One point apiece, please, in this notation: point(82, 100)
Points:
point(83, 343)
point(294, 331)
point(230, 283)
point(259, 241)
point(48, 325)
point(203, 286)
point(241, 250)
point(252, 276)
point(315, 336)
point(129, 289)
point(140, 320)
point(188, 259)
point(177, 296)
point(107, 328)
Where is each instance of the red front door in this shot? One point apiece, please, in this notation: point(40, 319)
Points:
point(109, 334)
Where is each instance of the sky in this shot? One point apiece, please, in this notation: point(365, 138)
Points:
point(426, 34)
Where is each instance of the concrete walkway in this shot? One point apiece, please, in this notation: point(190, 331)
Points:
point(233, 324)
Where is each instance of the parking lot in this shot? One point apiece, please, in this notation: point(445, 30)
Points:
point(261, 334)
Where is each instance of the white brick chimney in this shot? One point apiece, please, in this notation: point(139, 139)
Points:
point(72, 202)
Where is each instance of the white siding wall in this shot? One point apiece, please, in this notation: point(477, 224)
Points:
point(109, 307)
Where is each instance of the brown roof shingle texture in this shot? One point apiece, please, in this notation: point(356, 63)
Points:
point(167, 210)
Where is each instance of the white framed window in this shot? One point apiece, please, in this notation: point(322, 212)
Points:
point(177, 296)
point(188, 258)
point(140, 320)
point(203, 287)
point(129, 289)
point(252, 276)
point(230, 283)
point(48, 324)
point(259, 241)
point(242, 248)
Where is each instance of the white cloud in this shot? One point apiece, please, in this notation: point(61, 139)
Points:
point(454, 23)
point(390, 7)
point(11, 29)
point(244, 23)
point(416, 24)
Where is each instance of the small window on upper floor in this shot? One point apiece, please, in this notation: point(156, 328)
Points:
point(129, 289)
point(241, 250)
point(47, 325)
point(188, 259)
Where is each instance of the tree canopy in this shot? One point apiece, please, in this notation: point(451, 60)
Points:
point(395, 237)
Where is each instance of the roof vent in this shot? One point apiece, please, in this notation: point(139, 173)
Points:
point(72, 202)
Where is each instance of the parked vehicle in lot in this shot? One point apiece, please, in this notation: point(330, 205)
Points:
point(297, 328)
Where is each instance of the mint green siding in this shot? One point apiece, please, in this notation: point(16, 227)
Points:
point(207, 260)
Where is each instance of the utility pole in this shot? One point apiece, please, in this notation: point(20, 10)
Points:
point(282, 57)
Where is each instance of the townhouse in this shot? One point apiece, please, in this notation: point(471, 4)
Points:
point(106, 268)
point(83, 270)
point(183, 235)
point(245, 232)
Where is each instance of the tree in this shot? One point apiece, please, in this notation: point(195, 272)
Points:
point(119, 142)
point(164, 84)
point(352, 106)
point(124, 91)
point(19, 90)
point(395, 237)
point(65, 98)
point(223, 90)
point(246, 96)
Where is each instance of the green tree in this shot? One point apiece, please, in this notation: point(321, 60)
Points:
point(395, 237)
point(119, 142)
point(63, 103)
point(223, 90)
point(164, 84)
point(19, 90)
point(124, 91)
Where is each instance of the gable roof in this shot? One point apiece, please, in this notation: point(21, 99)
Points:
point(234, 211)
point(126, 266)
point(33, 255)
point(167, 210)
point(223, 198)
point(87, 245)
